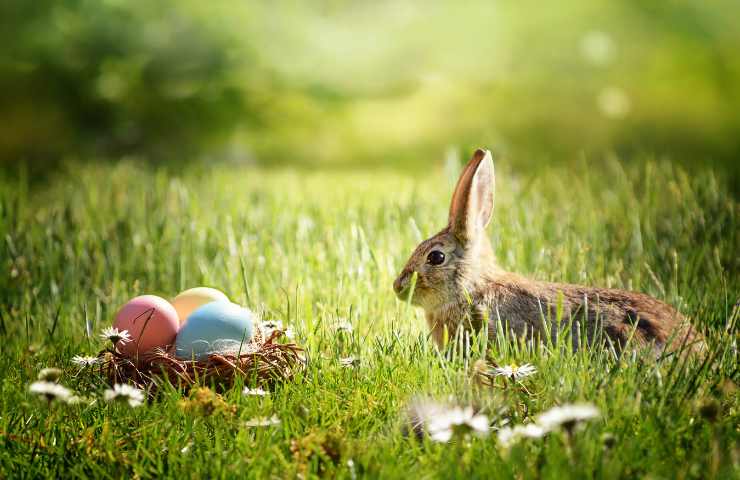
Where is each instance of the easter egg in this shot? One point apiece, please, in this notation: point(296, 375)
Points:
point(150, 320)
point(193, 298)
point(214, 327)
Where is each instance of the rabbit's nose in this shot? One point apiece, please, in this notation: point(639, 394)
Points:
point(399, 285)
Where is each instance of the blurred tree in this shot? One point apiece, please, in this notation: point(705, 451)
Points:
point(349, 82)
point(107, 77)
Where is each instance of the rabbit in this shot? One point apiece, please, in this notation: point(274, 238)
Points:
point(459, 285)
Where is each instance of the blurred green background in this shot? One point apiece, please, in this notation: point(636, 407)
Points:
point(349, 83)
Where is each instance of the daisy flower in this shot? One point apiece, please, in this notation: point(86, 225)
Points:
point(115, 335)
point(257, 392)
point(420, 412)
point(345, 327)
point(289, 333)
point(515, 372)
point(349, 362)
point(85, 361)
point(263, 421)
point(567, 416)
point(508, 435)
point(125, 393)
point(457, 421)
point(270, 326)
point(50, 391)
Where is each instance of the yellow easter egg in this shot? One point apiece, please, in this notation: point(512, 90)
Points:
point(193, 298)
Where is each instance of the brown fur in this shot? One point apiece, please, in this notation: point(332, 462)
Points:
point(469, 288)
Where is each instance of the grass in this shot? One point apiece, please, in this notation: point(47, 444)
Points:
point(314, 249)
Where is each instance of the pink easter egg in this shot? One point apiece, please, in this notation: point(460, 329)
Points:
point(150, 320)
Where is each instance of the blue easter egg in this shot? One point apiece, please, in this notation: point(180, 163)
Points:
point(216, 327)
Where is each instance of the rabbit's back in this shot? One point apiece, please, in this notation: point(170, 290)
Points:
point(531, 307)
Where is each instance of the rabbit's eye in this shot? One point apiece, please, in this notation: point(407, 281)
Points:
point(436, 257)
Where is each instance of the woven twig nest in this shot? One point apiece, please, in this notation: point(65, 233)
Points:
point(264, 360)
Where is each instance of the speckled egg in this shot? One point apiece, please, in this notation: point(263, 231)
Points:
point(214, 327)
point(150, 320)
point(189, 300)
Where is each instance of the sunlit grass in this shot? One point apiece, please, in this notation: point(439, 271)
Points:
point(320, 250)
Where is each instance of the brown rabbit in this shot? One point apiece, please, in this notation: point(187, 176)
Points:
point(459, 284)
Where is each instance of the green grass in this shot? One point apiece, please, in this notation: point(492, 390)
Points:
point(324, 247)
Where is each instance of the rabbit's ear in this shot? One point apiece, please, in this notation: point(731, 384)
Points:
point(472, 202)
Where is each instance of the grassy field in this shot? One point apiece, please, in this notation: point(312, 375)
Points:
point(321, 248)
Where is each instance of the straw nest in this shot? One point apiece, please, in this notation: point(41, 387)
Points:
point(267, 359)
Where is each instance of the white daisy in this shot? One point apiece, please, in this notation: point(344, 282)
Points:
point(51, 374)
point(115, 335)
point(263, 421)
point(125, 393)
point(257, 392)
point(443, 435)
point(349, 362)
point(515, 372)
point(85, 361)
point(567, 416)
point(289, 333)
point(508, 435)
point(51, 391)
point(270, 326)
point(345, 327)
point(420, 412)
point(457, 421)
